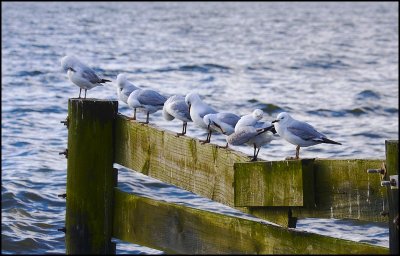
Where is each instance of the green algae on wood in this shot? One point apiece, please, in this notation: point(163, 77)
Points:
point(181, 161)
point(392, 168)
point(90, 176)
point(276, 183)
point(176, 228)
point(344, 190)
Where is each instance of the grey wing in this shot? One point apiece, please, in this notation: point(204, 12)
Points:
point(304, 131)
point(242, 136)
point(182, 108)
point(90, 75)
point(229, 118)
point(150, 97)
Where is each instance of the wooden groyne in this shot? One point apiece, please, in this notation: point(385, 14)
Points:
point(277, 191)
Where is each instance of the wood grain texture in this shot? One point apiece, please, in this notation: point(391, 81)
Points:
point(176, 228)
point(202, 169)
point(392, 168)
point(90, 176)
point(344, 190)
point(277, 183)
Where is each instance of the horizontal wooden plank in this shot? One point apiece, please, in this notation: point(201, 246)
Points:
point(176, 228)
point(277, 183)
point(182, 161)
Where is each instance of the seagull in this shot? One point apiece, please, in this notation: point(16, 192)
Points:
point(198, 109)
point(250, 119)
point(252, 136)
point(245, 135)
point(223, 122)
point(125, 88)
point(80, 74)
point(148, 100)
point(176, 107)
point(299, 133)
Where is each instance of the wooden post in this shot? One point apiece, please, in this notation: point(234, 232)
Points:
point(392, 168)
point(91, 177)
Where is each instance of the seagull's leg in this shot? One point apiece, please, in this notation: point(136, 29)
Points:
point(208, 139)
point(254, 158)
point(258, 150)
point(183, 130)
point(297, 151)
point(80, 90)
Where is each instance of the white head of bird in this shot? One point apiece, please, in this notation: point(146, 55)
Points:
point(121, 79)
point(282, 118)
point(68, 62)
point(258, 114)
point(191, 98)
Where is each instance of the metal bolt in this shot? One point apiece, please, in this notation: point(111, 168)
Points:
point(65, 122)
point(381, 171)
point(63, 229)
point(62, 195)
point(65, 152)
point(391, 182)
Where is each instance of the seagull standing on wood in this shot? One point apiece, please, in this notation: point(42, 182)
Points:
point(125, 88)
point(222, 122)
point(80, 74)
point(176, 107)
point(198, 109)
point(299, 133)
point(251, 131)
point(148, 100)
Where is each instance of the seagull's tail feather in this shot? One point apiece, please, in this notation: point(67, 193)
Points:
point(325, 140)
point(262, 130)
point(105, 80)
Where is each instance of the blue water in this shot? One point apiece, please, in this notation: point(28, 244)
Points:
point(334, 65)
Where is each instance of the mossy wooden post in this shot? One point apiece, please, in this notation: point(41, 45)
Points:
point(91, 177)
point(392, 168)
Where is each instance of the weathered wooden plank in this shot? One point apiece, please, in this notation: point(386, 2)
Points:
point(202, 169)
point(277, 183)
point(344, 189)
point(392, 168)
point(176, 228)
point(90, 176)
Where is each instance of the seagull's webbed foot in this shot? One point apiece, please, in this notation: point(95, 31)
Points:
point(253, 159)
point(204, 141)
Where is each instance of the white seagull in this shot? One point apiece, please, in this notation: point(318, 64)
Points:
point(198, 109)
point(256, 136)
point(124, 88)
point(250, 119)
point(222, 122)
point(148, 100)
point(176, 107)
point(299, 133)
point(80, 74)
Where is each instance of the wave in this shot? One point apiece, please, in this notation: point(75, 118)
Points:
point(266, 107)
point(202, 68)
